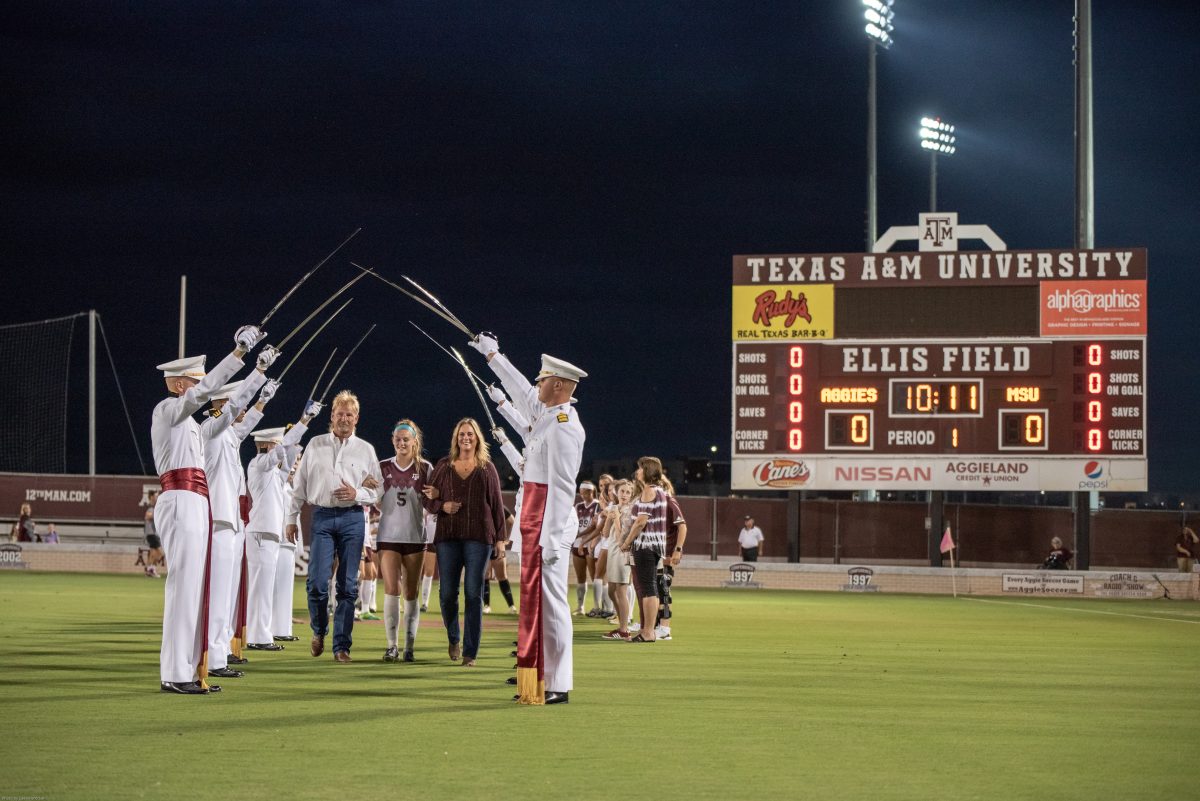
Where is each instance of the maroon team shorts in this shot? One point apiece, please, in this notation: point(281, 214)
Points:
point(403, 548)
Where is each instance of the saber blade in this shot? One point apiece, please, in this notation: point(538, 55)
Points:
point(475, 386)
point(307, 275)
point(321, 374)
point(437, 302)
point(448, 318)
point(447, 352)
point(343, 364)
point(317, 310)
point(308, 341)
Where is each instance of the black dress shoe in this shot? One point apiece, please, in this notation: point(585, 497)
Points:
point(556, 698)
point(264, 646)
point(513, 654)
point(285, 639)
point(236, 660)
point(511, 680)
point(184, 688)
point(226, 673)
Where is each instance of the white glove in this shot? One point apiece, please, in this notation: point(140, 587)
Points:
point(267, 357)
point(485, 344)
point(247, 337)
point(500, 436)
point(268, 390)
point(549, 556)
point(496, 394)
point(313, 408)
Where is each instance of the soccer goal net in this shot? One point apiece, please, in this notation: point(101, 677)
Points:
point(35, 360)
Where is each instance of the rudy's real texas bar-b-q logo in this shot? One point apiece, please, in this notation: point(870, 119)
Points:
point(782, 312)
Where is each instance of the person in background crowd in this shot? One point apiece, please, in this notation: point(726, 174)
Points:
point(25, 528)
point(498, 569)
point(618, 520)
point(588, 512)
point(676, 536)
point(429, 563)
point(51, 534)
point(1059, 558)
point(647, 540)
point(464, 492)
point(750, 540)
point(368, 568)
point(1185, 548)
point(155, 557)
point(607, 499)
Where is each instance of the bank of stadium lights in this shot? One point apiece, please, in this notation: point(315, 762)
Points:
point(937, 136)
point(879, 16)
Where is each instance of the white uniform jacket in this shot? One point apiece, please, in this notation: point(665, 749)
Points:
point(174, 435)
point(266, 478)
point(222, 443)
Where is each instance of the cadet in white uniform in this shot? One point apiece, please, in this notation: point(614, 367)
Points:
point(182, 515)
point(266, 479)
point(285, 574)
point(228, 424)
point(552, 457)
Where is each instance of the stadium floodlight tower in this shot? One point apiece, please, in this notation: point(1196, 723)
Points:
point(936, 137)
point(879, 15)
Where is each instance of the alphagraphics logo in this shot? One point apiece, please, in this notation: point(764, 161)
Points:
point(1094, 471)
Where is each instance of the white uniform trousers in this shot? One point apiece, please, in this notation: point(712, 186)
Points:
point(262, 552)
point(219, 610)
point(557, 629)
point(285, 586)
point(181, 519)
point(235, 584)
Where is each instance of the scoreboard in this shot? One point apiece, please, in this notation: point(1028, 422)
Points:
point(1010, 370)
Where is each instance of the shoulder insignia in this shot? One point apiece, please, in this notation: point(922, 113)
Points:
point(214, 413)
point(563, 417)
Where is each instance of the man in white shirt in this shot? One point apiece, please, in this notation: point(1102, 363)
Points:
point(338, 475)
point(750, 540)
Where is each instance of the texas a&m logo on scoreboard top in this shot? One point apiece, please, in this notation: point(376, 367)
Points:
point(893, 370)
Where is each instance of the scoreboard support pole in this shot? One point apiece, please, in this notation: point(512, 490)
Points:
point(793, 526)
point(937, 522)
point(1082, 525)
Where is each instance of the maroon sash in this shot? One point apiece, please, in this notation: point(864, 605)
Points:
point(531, 666)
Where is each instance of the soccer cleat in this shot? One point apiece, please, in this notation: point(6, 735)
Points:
point(392, 654)
point(487, 610)
point(512, 610)
point(424, 607)
point(662, 632)
point(368, 616)
point(408, 656)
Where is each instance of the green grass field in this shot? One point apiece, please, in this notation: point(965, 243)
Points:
point(761, 694)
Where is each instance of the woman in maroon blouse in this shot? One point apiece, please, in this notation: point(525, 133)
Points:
point(464, 493)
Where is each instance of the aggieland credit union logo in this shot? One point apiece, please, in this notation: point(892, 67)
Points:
point(782, 474)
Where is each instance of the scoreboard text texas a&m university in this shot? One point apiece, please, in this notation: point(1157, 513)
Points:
point(961, 370)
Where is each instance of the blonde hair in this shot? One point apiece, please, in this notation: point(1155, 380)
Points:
point(416, 434)
point(652, 471)
point(345, 398)
point(481, 446)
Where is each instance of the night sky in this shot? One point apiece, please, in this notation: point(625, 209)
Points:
point(572, 176)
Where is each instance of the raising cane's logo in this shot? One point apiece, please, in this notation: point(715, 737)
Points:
point(782, 473)
point(768, 306)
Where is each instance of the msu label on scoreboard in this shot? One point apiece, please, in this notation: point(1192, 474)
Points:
point(948, 383)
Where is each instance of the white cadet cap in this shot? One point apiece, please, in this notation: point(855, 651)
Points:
point(559, 369)
point(226, 392)
point(586, 485)
point(189, 366)
point(269, 435)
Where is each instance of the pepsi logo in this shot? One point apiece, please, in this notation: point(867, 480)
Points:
point(1093, 470)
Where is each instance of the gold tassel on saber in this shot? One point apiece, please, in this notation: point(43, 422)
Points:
point(532, 692)
point(202, 670)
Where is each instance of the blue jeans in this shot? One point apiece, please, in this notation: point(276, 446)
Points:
point(339, 532)
point(453, 558)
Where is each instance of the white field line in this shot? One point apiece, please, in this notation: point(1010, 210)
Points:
point(1076, 609)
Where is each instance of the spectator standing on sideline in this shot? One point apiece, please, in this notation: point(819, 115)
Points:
point(152, 539)
point(1185, 548)
point(51, 534)
point(25, 528)
point(750, 540)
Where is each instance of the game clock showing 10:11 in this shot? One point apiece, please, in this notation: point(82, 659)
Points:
point(1048, 397)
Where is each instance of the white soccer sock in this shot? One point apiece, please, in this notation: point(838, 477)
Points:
point(598, 593)
point(580, 593)
point(412, 618)
point(632, 593)
point(426, 588)
point(369, 597)
point(391, 618)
